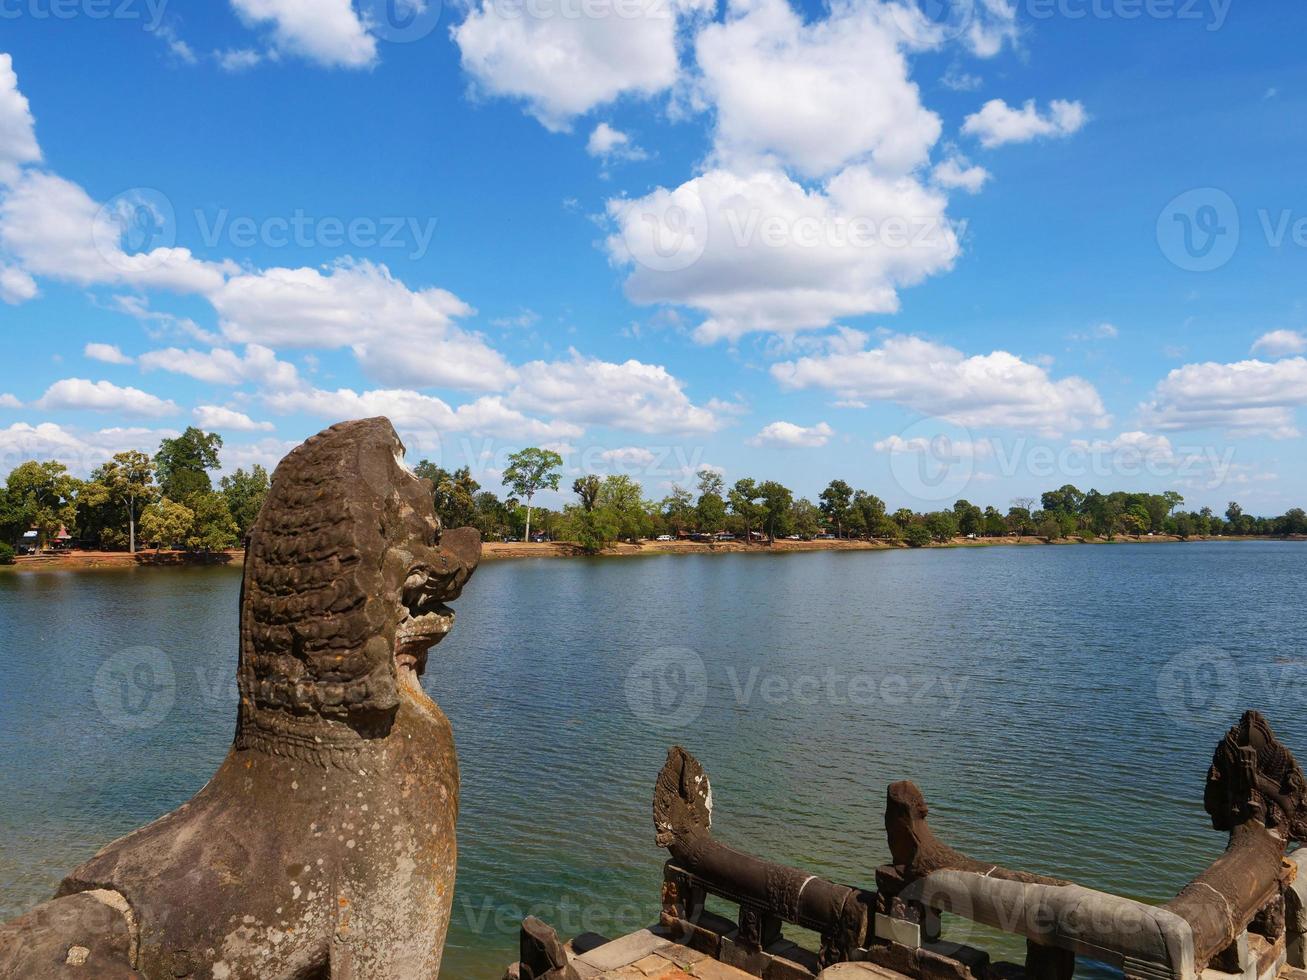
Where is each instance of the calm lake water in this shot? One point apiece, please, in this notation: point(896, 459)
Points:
point(1057, 705)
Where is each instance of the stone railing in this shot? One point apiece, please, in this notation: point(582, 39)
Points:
point(1244, 917)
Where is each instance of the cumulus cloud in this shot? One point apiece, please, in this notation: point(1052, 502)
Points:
point(18, 144)
point(787, 435)
point(400, 336)
point(328, 32)
point(814, 97)
point(258, 364)
point(1280, 343)
point(958, 173)
point(921, 446)
point(562, 65)
point(998, 123)
point(103, 396)
point(53, 228)
point(80, 451)
point(8, 400)
point(1100, 331)
point(1252, 397)
point(108, 353)
point(424, 418)
point(763, 253)
point(988, 390)
point(632, 396)
point(610, 145)
point(16, 286)
point(210, 417)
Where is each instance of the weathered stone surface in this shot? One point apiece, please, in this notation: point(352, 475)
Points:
point(766, 893)
point(324, 845)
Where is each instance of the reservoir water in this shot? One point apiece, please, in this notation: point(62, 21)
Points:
point(1057, 705)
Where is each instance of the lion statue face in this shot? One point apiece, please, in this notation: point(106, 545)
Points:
point(347, 573)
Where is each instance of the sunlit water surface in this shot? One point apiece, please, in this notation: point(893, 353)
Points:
point(1058, 706)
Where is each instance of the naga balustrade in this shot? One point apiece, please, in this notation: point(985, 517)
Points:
point(1244, 917)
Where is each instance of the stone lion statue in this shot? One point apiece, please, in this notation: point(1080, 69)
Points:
point(324, 845)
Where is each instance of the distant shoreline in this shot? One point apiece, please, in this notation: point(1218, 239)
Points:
point(517, 550)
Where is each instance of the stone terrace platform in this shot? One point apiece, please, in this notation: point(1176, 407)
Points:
point(649, 955)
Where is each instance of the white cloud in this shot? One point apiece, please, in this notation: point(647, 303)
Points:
point(210, 417)
point(960, 81)
point(609, 144)
point(921, 446)
point(563, 65)
point(629, 457)
point(631, 396)
point(422, 418)
point(326, 31)
point(787, 435)
point(1252, 397)
point(238, 59)
point(80, 451)
point(18, 144)
point(815, 96)
point(225, 367)
point(1279, 343)
point(762, 253)
point(103, 396)
point(108, 353)
point(958, 173)
point(399, 335)
point(8, 400)
point(997, 123)
point(1100, 331)
point(997, 389)
point(16, 286)
point(53, 228)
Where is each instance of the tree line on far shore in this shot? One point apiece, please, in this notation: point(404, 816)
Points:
point(169, 500)
point(614, 508)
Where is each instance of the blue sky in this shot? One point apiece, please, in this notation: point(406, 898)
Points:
point(975, 249)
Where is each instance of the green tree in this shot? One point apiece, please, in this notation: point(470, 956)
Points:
point(917, 535)
point(942, 525)
point(678, 510)
point(166, 522)
point(744, 504)
point(970, 518)
point(213, 528)
point(129, 479)
point(15, 516)
point(866, 512)
point(245, 493)
point(805, 518)
point(835, 502)
point(529, 472)
point(183, 464)
point(621, 502)
point(711, 508)
point(48, 493)
point(775, 508)
point(587, 489)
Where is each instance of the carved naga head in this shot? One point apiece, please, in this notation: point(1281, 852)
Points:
point(347, 573)
point(1254, 777)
